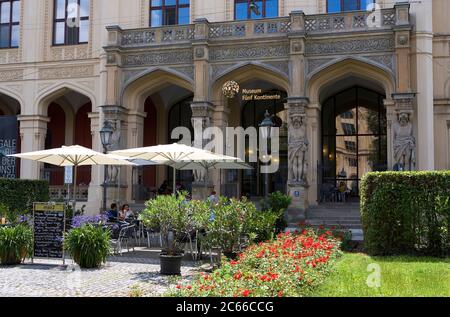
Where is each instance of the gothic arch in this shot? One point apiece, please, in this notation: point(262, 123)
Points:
point(347, 67)
point(11, 94)
point(55, 91)
point(138, 88)
point(247, 71)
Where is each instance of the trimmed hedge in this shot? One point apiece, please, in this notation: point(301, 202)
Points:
point(406, 213)
point(18, 195)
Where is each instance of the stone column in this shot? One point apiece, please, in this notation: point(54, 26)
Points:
point(201, 120)
point(33, 130)
point(117, 186)
point(391, 117)
point(202, 109)
point(448, 147)
point(95, 187)
point(297, 39)
point(423, 79)
point(298, 158)
point(135, 137)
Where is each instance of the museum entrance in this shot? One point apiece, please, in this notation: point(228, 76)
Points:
point(253, 113)
point(354, 142)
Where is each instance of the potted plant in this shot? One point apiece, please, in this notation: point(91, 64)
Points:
point(88, 245)
point(172, 217)
point(228, 225)
point(16, 244)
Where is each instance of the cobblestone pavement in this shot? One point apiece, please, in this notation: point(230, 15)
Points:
point(132, 273)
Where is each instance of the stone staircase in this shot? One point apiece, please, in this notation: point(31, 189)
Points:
point(339, 215)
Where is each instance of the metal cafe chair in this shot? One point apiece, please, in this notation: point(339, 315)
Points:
point(153, 236)
point(125, 234)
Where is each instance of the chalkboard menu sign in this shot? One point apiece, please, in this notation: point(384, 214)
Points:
point(49, 227)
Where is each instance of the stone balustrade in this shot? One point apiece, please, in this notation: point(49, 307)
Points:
point(59, 193)
point(297, 22)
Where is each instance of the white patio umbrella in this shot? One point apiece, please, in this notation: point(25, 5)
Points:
point(178, 156)
point(73, 156)
point(221, 163)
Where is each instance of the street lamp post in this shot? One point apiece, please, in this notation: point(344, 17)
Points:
point(266, 133)
point(105, 136)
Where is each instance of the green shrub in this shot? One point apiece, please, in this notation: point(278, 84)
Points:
point(261, 225)
point(16, 244)
point(228, 224)
point(88, 245)
point(172, 214)
point(406, 213)
point(18, 196)
point(278, 203)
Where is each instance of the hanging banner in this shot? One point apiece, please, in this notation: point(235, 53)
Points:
point(8, 145)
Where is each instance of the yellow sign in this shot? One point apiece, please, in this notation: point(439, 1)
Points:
point(58, 207)
point(257, 95)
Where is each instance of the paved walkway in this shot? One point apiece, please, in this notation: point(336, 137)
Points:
point(132, 273)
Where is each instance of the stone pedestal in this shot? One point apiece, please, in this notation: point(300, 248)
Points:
point(297, 211)
point(200, 191)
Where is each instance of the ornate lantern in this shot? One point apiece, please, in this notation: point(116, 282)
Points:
point(230, 89)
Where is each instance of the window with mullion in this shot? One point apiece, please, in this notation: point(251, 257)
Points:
point(169, 12)
point(71, 22)
point(9, 23)
point(261, 9)
point(334, 6)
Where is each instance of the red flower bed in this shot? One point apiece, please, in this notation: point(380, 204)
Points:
point(292, 265)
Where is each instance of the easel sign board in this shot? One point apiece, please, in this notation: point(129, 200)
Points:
point(49, 223)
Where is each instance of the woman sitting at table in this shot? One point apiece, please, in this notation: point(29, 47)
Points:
point(125, 212)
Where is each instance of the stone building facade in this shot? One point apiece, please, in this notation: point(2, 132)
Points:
point(380, 79)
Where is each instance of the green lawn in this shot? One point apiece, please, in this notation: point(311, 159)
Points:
point(400, 277)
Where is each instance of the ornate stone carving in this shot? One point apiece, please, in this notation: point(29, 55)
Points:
point(111, 58)
point(281, 66)
point(199, 52)
point(10, 56)
point(219, 69)
point(316, 63)
point(183, 56)
point(10, 75)
point(296, 47)
point(298, 142)
point(380, 44)
point(69, 53)
point(404, 142)
point(186, 70)
point(386, 60)
point(248, 52)
point(66, 72)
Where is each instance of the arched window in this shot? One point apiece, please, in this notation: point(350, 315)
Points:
point(354, 137)
point(347, 5)
point(255, 9)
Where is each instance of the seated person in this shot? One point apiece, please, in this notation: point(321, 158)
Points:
point(213, 199)
point(163, 188)
point(125, 212)
point(112, 213)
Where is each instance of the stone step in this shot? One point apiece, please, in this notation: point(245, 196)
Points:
point(350, 206)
